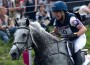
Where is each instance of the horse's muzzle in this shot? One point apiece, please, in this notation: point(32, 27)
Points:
point(15, 56)
point(15, 53)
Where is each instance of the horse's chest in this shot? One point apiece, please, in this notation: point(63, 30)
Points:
point(49, 50)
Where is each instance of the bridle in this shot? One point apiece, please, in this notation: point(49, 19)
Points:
point(26, 42)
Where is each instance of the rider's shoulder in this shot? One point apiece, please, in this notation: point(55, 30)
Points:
point(70, 14)
point(74, 21)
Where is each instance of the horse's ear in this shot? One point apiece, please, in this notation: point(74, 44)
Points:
point(27, 22)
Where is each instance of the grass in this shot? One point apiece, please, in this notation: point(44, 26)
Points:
point(88, 38)
point(5, 58)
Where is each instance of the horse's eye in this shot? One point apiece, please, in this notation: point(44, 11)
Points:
point(24, 34)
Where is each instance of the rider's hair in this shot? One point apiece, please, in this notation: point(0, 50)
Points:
point(63, 16)
point(42, 4)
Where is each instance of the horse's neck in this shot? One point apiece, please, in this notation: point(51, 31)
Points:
point(41, 37)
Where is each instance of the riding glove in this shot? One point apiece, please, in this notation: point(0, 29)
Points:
point(73, 36)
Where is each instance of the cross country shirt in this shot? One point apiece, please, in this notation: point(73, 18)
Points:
point(69, 25)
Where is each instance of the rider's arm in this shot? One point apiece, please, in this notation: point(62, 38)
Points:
point(76, 23)
point(55, 32)
point(82, 30)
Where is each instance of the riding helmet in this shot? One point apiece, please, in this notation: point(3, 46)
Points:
point(59, 6)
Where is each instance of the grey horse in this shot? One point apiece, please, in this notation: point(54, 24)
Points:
point(48, 49)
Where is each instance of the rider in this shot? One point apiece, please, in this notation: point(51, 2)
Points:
point(67, 24)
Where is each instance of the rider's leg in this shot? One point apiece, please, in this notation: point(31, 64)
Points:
point(79, 44)
point(78, 58)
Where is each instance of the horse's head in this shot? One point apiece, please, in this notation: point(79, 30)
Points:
point(22, 40)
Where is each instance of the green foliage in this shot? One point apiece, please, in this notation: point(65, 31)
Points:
point(88, 38)
point(5, 58)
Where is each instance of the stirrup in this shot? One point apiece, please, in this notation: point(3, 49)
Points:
point(84, 51)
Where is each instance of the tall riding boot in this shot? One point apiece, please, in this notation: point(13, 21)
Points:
point(78, 58)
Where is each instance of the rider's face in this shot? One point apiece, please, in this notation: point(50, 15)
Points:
point(42, 8)
point(58, 15)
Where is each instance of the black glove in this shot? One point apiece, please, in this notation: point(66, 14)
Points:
point(72, 36)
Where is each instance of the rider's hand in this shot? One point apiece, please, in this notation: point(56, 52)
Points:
point(55, 34)
point(73, 36)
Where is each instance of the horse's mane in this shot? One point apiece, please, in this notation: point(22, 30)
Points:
point(36, 25)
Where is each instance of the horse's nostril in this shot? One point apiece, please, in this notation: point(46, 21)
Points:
point(14, 56)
